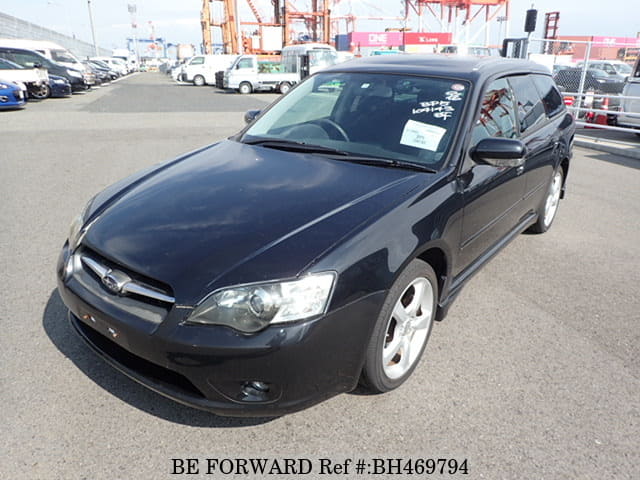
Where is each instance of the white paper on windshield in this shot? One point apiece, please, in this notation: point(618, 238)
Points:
point(422, 135)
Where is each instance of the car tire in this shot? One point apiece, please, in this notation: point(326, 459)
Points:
point(41, 92)
point(549, 206)
point(198, 81)
point(284, 87)
point(402, 329)
point(245, 88)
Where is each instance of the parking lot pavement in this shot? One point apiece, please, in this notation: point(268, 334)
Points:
point(611, 135)
point(535, 373)
point(619, 143)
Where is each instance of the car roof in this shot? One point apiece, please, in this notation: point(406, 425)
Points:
point(470, 68)
point(21, 49)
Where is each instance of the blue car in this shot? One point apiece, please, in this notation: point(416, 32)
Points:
point(59, 86)
point(11, 95)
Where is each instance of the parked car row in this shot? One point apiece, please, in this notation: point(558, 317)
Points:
point(34, 74)
point(607, 85)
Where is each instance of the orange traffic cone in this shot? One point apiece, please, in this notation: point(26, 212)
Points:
point(601, 118)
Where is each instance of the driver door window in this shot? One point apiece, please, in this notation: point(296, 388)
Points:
point(497, 114)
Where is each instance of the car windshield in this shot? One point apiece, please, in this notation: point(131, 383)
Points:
point(63, 56)
point(622, 68)
point(402, 118)
point(598, 73)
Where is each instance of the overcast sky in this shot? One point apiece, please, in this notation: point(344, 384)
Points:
point(178, 21)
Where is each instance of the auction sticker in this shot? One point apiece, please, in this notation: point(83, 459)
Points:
point(422, 135)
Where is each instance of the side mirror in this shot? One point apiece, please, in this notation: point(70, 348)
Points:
point(499, 152)
point(37, 65)
point(251, 115)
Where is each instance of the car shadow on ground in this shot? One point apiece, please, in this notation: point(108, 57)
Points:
point(61, 334)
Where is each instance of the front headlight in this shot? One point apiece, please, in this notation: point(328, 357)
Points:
point(76, 232)
point(4, 86)
point(60, 81)
point(252, 307)
point(74, 73)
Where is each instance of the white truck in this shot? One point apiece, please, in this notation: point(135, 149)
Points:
point(36, 80)
point(201, 69)
point(184, 51)
point(247, 74)
point(630, 105)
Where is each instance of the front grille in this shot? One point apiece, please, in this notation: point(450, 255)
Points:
point(143, 312)
point(133, 284)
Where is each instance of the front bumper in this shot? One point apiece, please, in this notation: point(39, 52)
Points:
point(78, 84)
point(212, 367)
point(60, 89)
point(12, 98)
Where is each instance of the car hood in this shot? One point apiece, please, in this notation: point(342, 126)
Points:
point(235, 213)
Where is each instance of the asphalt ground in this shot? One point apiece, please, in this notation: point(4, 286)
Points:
point(535, 373)
point(629, 137)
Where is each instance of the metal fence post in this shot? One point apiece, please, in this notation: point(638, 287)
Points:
point(583, 78)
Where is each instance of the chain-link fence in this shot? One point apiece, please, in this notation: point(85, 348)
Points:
point(598, 76)
point(12, 27)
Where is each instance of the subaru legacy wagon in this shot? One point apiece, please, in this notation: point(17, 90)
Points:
point(314, 250)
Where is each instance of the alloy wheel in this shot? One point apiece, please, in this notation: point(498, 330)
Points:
point(408, 328)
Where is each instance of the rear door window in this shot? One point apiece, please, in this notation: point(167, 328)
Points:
point(551, 98)
point(531, 113)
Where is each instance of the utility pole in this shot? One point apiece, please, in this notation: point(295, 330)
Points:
point(132, 8)
point(93, 30)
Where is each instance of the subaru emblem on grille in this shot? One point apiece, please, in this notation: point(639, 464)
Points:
point(115, 280)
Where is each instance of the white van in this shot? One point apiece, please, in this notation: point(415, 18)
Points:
point(51, 50)
point(201, 69)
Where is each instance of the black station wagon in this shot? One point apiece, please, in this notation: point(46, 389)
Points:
point(315, 249)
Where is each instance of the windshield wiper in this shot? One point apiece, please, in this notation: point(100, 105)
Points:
point(388, 163)
point(292, 146)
